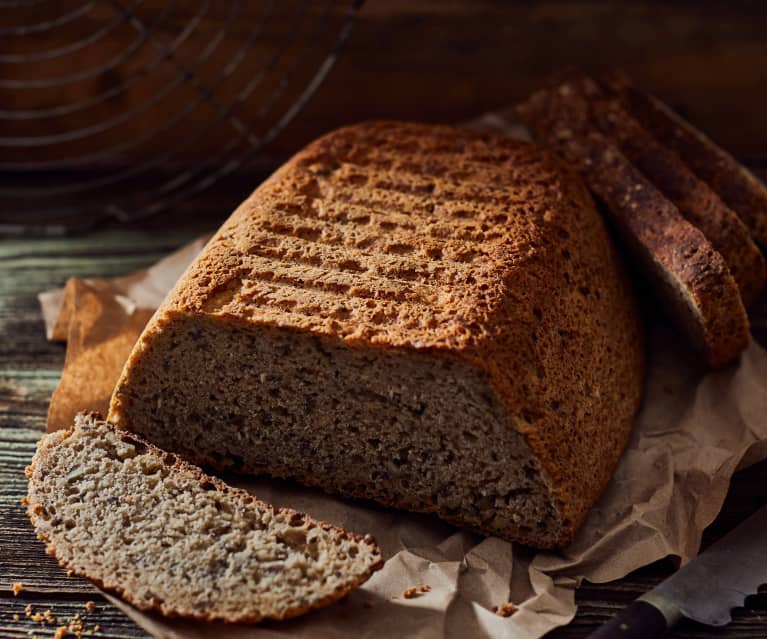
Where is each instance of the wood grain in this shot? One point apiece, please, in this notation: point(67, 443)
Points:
point(29, 369)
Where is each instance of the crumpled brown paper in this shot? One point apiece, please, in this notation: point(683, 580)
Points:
point(694, 430)
point(101, 319)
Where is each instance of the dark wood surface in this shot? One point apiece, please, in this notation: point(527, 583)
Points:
point(29, 370)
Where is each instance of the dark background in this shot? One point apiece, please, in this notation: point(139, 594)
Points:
point(430, 60)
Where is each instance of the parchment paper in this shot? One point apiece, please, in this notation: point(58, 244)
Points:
point(694, 430)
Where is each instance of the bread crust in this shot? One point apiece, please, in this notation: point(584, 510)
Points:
point(687, 271)
point(500, 248)
point(696, 201)
point(742, 191)
point(169, 459)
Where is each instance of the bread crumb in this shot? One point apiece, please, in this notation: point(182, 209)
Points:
point(70, 572)
point(414, 591)
point(505, 609)
point(60, 633)
point(15, 616)
point(17, 588)
point(76, 626)
point(37, 617)
point(90, 606)
point(28, 610)
point(96, 628)
point(49, 617)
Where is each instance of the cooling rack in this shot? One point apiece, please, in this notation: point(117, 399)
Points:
point(120, 109)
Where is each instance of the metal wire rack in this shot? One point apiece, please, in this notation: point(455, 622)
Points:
point(120, 109)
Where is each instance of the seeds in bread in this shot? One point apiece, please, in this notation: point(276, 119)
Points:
point(167, 537)
point(684, 268)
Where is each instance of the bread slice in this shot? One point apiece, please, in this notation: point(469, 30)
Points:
point(165, 536)
point(422, 315)
point(696, 201)
point(740, 189)
point(686, 271)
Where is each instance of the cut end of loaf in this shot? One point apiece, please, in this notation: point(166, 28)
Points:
point(167, 537)
point(409, 430)
point(426, 316)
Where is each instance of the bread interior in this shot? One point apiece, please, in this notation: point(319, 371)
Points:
point(416, 430)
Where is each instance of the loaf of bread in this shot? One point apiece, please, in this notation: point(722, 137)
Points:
point(685, 270)
point(422, 315)
point(167, 537)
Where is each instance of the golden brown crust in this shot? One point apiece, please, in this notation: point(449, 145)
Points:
point(173, 461)
point(687, 271)
point(452, 242)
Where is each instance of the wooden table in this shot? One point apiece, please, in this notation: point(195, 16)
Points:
point(29, 370)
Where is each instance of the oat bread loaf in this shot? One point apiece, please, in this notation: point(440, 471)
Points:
point(686, 272)
point(167, 537)
point(422, 315)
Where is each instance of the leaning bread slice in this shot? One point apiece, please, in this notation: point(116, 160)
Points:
point(694, 198)
point(740, 189)
point(687, 272)
point(165, 536)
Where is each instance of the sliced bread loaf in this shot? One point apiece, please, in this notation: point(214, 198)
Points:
point(687, 272)
point(740, 189)
point(426, 316)
point(139, 522)
point(694, 198)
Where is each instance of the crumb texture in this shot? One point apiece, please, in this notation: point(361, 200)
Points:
point(406, 429)
point(167, 537)
point(427, 316)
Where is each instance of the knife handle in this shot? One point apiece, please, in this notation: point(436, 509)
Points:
point(641, 620)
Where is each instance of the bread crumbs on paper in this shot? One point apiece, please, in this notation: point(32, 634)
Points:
point(28, 610)
point(414, 591)
point(505, 609)
point(90, 606)
point(15, 616)
point(17, 588)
